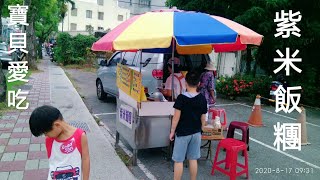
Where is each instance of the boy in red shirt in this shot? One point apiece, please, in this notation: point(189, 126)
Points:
point(67, 146)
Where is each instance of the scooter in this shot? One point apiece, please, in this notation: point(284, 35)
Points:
point(275, 84)
point(51, 54)
point(48, 50)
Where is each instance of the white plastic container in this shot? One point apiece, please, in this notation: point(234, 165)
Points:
point(217, 123)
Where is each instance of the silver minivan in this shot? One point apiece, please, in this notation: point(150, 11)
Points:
point(153, 68)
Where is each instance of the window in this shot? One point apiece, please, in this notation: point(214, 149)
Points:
point(149, 60)
point(100, 15)
point(100, 2)
point(145, 2)
point(100, 28)
point(189, 62)
point(129, 58)
point(89, 28)
point(73, 26)
point(133, 59)
point(74, 12)
point(89, 14)
point(115, 60)
point(120, 17)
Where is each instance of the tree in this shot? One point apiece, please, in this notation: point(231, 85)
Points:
point(47, 22)
point(36, 9)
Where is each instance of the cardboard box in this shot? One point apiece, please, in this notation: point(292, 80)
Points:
point(210, 133)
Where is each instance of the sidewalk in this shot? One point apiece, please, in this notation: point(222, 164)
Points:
point(23, 156)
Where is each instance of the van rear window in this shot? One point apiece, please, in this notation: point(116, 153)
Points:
point(188, 62)
point(133, 59)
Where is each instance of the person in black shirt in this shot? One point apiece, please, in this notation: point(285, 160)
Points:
point(188, 120)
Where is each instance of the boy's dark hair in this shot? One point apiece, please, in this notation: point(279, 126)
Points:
point(42, 119)
point(193, 78)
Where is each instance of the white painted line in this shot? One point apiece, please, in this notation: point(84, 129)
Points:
point(284, 153)
point(101, 114)
point(112, 140)
point(281, 115)
point(226, 104)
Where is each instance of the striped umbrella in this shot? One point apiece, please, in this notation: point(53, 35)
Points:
point(188, 32)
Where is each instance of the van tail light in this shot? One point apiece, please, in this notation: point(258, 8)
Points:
point(157, 74)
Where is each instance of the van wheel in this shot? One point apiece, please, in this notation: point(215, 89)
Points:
point(100, 92)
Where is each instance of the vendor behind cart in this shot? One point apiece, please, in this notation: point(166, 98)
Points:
point(179, 80)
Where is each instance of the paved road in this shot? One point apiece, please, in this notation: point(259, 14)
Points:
point(262, 155)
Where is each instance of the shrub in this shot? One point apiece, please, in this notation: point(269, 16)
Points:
point(63, 50)
point(243, 85)
point(91, 57)
point(73, 50)
point(80, 43)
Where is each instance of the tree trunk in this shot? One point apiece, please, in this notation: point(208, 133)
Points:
point(1, 5)
point(3, 84)
point(31, 47)
point(35, 42)
point(249, 60)
point(41, 41)
point(254, 72)
point(31, 56)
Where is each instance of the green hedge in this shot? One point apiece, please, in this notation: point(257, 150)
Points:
point(73, 50)
point(247, 86)
point(244, 85)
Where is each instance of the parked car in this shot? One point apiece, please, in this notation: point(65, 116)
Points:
point(154, 69)
point(5, 57)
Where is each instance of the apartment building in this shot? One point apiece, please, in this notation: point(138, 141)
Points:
point(93, 15)
point(142, 6)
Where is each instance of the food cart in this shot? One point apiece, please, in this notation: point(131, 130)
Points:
point(146, 124)
point(142, 123)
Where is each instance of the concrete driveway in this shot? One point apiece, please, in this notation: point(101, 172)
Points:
point(265, 162)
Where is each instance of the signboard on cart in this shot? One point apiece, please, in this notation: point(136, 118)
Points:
point(126, 115)
point(129, 81)
point(136, 85)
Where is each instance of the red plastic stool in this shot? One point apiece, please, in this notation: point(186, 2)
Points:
point(233, 147)
point(219, 112)
point(244, 128)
